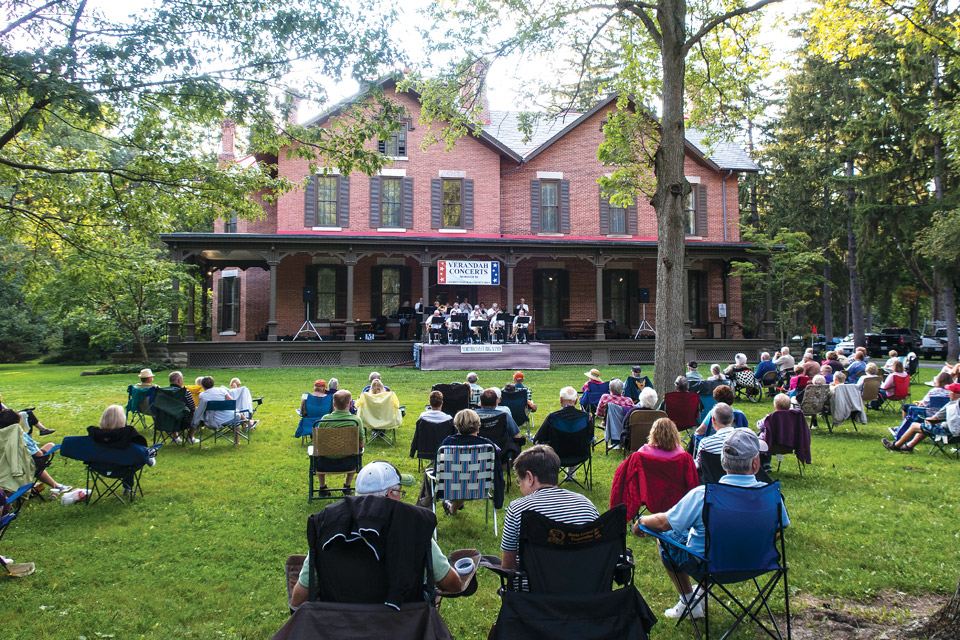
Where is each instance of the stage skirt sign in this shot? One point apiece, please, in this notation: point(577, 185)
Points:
point(468, 272)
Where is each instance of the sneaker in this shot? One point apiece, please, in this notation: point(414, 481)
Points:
point(253, 425)
point(151, 461)
point(448, 508)
point(193, 440)
point(63, 488)
point(45, 432)
point(177, 440)
point(889, 444)
point(677, 610)
point(323, 492)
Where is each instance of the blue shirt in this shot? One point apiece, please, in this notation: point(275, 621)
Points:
point(763, 368)
point(687, 515)
point(854, 369)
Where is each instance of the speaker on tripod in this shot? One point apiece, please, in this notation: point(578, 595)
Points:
point(307, 327)
point(644, 297)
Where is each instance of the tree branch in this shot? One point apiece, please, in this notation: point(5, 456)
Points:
point(30, 16)
point(639, 9)
point(712, 24)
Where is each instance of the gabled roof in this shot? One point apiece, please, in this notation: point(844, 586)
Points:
point(390, 81)
point(723, 155)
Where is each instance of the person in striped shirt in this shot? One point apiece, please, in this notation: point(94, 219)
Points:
point(723, 423)
point(538, 470)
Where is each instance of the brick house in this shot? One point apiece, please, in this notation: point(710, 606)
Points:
point(364, 244)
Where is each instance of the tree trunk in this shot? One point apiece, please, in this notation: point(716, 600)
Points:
point(142, 346)
point(914, 315)
point(827, 303)
point(945, 623)
point(672, 188)
point(950, 313)
point(856, 293)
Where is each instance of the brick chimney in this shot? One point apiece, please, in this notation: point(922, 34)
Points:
point(475, 88)
point(228, 132)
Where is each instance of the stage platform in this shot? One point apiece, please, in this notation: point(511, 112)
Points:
point(438, 357)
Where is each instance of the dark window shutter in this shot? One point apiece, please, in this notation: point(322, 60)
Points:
point(341, 310)
point(310, 278)
point(436, 203)
point(406, 288)
point(704, 308)
point(310, 203)
point(407, 206)
point(376, 287)
point(467, 209)
point(374, 202)
point(382, 146)
point(221, 319)
point(564, 294)
point(343, 203)
point(535, 206)
point(607, 290)
point(632, 219)
point(604, 215)
point(701, 209)
point(633, 287)
point(564, 206)
point(236, 304)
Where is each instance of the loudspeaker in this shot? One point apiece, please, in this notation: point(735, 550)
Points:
point(644, 295)
point(308, 293)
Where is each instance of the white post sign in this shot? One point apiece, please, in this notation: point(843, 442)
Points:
point(722, 308)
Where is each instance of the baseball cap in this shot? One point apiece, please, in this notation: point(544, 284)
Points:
point(518, 376)
point(953, 387)
point(692, 364)
point(380, 476)
point(636, 369)
point(743, 444)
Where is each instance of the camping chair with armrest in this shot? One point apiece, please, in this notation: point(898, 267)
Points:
point(769, 382)
point(572, 440)
point(427, 438)
point(335, 450)
point(315, 409)
point(787, 432)
point(705, 390)
point(139, 405)
point(746, 385)
point(802, 382)
point(9, 510)
point(494, 429)
point(17, 465)
point(356, 589)
point(465, 473)
point(646, 481)
point(456, 396)
point(683, 407)
point(170, 413)
point(381, 416)
point(247, 407)
point(900, 393)
point(613, 432)
point(917, 413)
point(846, 401)
point(632, 387)
point(565, 585)
point(516, 401)
point(912, 367)
point(590, 398)
point(640, 422)
point(230, 430)
point(816, 403)
point(110, 472)
point(870, 391)
point(744, 541)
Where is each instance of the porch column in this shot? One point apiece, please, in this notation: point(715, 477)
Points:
point(598, 263)
point(425, 279)
point(272, 322)
point(190, 328)
point(687, 324)
point(510, 263)
point(204, 288)
point(350, 262)
point(173, 327)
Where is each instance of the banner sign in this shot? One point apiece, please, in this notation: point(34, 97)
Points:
point(468, 272)
point(481, 348)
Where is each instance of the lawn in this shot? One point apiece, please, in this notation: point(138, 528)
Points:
point(201, 555)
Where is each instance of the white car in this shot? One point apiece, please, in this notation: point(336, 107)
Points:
point(846, 346)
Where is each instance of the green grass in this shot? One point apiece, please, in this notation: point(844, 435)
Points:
point(201, 555)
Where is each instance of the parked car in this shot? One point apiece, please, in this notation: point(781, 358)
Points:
point(846, 346)
point(935, 346)
point(901, 339)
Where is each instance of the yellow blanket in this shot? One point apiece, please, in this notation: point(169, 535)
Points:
point(379, 411)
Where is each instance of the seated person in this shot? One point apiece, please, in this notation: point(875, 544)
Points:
point(722, 424)
point(475, 389)
point(795, 380)
point(113, 432)
point(518, 384)
point(388, 417)
point(939, 390)
point(538, 474)
point(857, 366)
point(568, 412)
point(832, 361)
point(212, 419)
point(616, 397)
point(31, 420)
point(784, 362)
point(722, 394)
point(827, 372)
point(490, 406)
point(436, 327)
point(646, 402)
point(340, 417)
point(18, 422)
point(739, 364)
point(887, 389)
point(319, 391)
point(765, 366)
point(592, 376)
point(375, 376)
point(870, 371)
point(435, 413)
point(740, 458)
point(467, 424)
point(381, 479)
point(716, 373)
point(663, 440)
point(888, 365)
point(682, 384)
point(692, 374)
point(810, 366)
point(838, 378)
point(244, 401)
point(146, 379)
point(176, 381)
point(769, 425)
point(945, 422)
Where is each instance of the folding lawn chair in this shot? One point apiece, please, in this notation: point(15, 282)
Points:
point(494, 429)
point(229, 430)
point(639, 424)
point(769, 382)
point(683, 407)
point(9, 510)
point(632, 387)
point(426, 440)
point(110, 472)
point(380, 415)
point(572, 440)
point(170, 413)
point(465, 473)
point(335, 450)
point(456, 396)
point(942, 442)
point(140, 405)
point(590, 398)
point(315, 408)
point(786, 431)
point(870, 391)
point(744, 541)
point(816, 403)
point(901, 393)
point(516, 401)
point(705, 391)
point(613, 427)
point(846, 401)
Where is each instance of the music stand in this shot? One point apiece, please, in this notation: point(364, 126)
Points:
point(437, 325)
point(481, 325)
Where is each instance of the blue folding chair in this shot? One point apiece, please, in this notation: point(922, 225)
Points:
point(744, 541)
point(918, 414)
point(516, 401)
point(230, 430)
point(16, 500)
point(140, 405)
point(590, 398)
point(109, 470)
point(572, 440)
point(316, 408)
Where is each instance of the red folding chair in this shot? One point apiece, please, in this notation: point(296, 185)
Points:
point(683, 407)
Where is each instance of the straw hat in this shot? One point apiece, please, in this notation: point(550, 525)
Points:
point(594, 374)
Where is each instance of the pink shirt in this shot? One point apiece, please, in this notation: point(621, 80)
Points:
point(656, 452)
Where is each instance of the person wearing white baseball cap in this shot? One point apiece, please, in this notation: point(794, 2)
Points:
point(381, 480)
point(683, 522)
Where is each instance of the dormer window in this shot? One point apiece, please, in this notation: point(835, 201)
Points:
point(396, 145)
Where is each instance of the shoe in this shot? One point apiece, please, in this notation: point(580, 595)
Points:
point(677, 610)
point(906, 449)
point(128, 494)
point(323, 492)
point(889, 444)
point(63, 488)
point(177, 440)
point(448, 508)
point(151, 461)
point(347, 491)
point(193, 440)
point(45, 432)
point(253, 425)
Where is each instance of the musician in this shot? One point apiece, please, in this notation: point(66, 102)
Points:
point(405, 317)
point(496, 326)
point(521, 329)
point(453, 326)
point(479, 334)
point(418, 324)
point(439, 333)
point(465, 306)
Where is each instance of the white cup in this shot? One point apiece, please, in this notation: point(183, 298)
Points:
point(463, 566)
